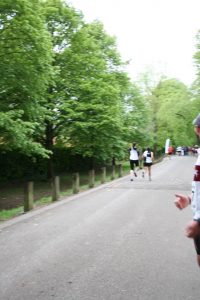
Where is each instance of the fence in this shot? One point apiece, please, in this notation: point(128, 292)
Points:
point(55, 185)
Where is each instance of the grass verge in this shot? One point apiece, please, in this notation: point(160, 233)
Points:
point(7, 214)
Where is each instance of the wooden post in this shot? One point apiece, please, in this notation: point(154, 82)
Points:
point(113, 172)
point(91, 178)
point(28, 196)
point(75, 183)
point(103, 174)
point(55, 188)
point(120, 170)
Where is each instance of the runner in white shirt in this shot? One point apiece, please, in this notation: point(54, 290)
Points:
point(134, 160)
point(148, 161)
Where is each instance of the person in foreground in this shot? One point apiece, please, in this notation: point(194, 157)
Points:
point(193, 228)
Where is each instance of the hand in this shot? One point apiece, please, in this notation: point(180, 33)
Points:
point(181, 201)
point(192, 229)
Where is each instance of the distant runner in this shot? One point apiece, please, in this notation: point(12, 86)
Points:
point(148, 161)
point(134, 160)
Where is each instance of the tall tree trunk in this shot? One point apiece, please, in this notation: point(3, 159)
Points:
point(92, 163)
point(113, 161)
point(49, 146)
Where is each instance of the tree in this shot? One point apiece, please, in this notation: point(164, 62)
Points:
point(171, 106)
point(96, 85)
point(25, 63)
point(62, 21)
point(136, 117)
point(148, 81)
point(195, 88)
point(85, 101)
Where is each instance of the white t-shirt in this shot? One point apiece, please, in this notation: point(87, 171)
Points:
point(148, 159)
point(196, 191)
point(133, 154)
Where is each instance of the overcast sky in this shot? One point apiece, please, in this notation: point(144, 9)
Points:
point(159, 34)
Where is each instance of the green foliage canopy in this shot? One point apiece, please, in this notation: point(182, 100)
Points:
point(25, 63)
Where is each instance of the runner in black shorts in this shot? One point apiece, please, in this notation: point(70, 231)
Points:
point(134, 160)
point(148, 161)
point(133, 164)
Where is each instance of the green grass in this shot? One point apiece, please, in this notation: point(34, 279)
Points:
point(43, 200)
point(10, 213)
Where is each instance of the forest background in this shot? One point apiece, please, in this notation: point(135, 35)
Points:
point(66, 102)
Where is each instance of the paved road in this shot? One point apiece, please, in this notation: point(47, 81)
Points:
point(122, 241)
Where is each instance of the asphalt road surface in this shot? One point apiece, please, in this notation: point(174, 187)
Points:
point(121, 241)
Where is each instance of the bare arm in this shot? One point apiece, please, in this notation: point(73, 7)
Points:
point(182, 201)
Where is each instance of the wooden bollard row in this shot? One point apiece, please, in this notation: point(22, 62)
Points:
point(29, 186)
point(29, 193)
point(55, 188)
point(28, 196)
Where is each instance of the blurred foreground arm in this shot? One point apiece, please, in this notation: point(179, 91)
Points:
point(182, 201)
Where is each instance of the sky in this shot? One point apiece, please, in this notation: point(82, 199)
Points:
point(156, 35)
